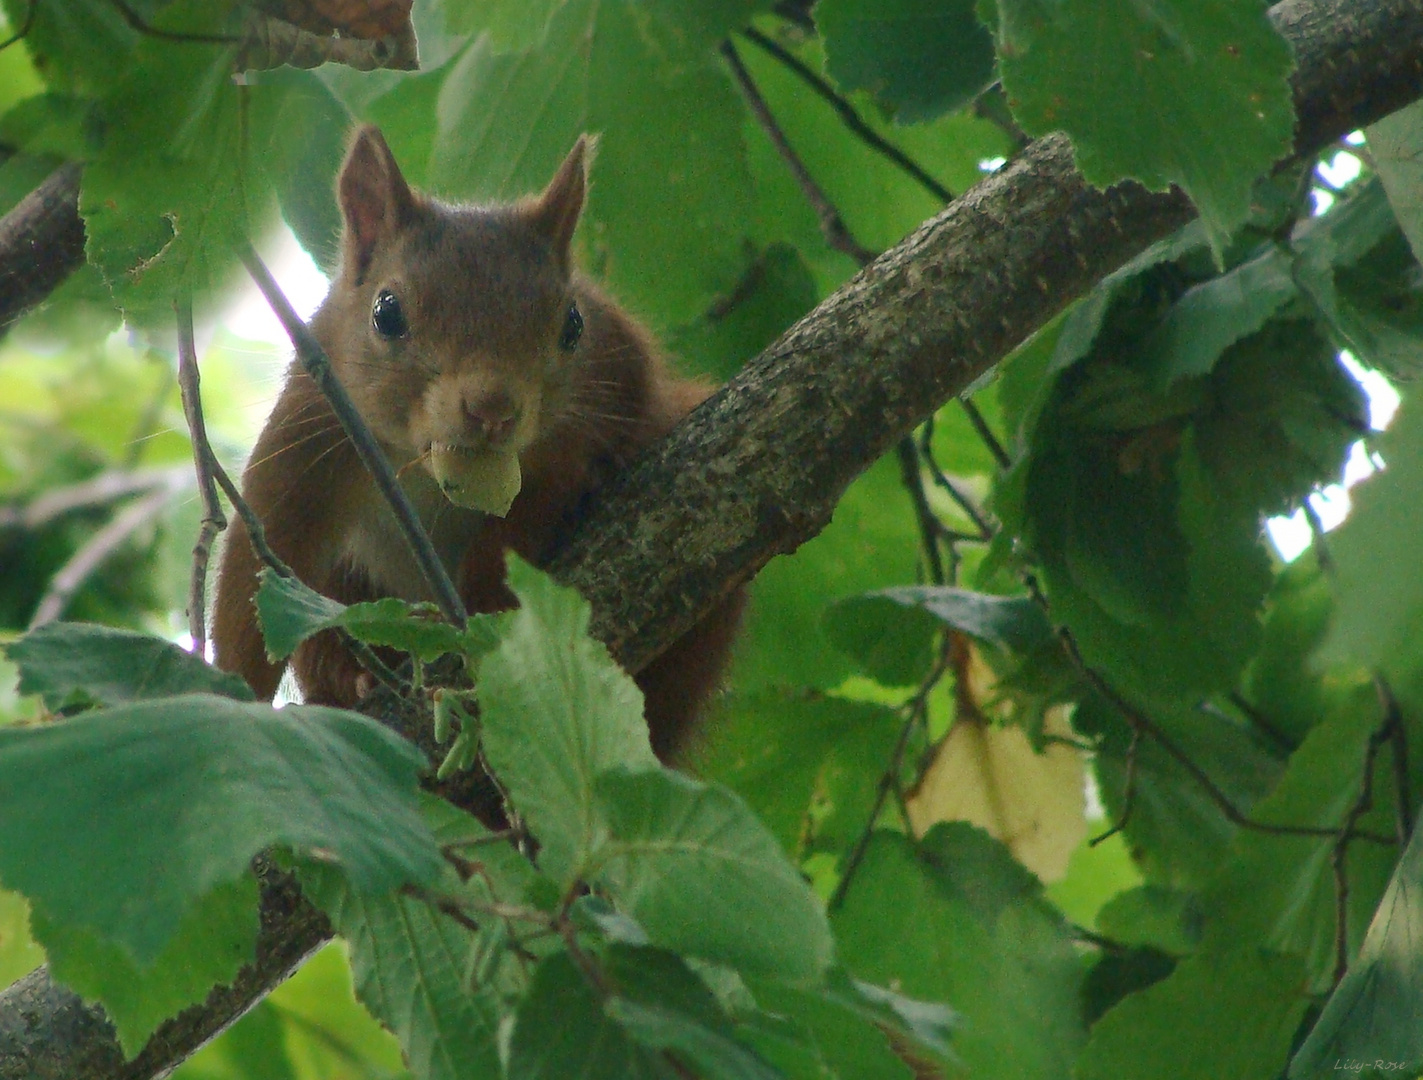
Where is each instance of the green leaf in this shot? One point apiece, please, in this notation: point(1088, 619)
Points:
point(410, 965)
point(562, 1029)
point(1378, 605)
point(1396, 150)
point(661, 1004)
point(555, 712)
point(112, 666)
point(703, 877)
point(892, 641)
point(1218, 1014)
point(789, 755)
point(170, 198)
point(920, 57)
point(212, 942)
point(291, 612)
point(663, 223)
point(979, 936)
point(1215, 314)
point(1164, 92)
point(1362, 275)
point(1152, 916)
point(162, 801)
point(865, 547)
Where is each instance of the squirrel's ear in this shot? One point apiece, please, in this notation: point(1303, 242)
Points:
point(555, 212)
point(375, 199)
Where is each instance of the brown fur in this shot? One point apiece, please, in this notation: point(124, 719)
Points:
point(485, 292)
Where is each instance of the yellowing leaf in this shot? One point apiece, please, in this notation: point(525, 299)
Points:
point(990, 776)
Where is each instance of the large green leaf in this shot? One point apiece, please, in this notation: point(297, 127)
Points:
point(215, 938)
point(958, 920)
point(1396, 148)
point(1378, 605)
point(806, 764)
point(703, 877)
point(556, 712)
point(81, 661)
point(920, 57)
point(163, 801)
point(1192, 92)
point(411, 967)
point(649, 1006)
point(1219, 1014)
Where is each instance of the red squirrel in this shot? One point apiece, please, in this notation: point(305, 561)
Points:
point(465, 327)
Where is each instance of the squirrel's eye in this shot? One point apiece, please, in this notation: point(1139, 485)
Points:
point(572, 329)
point(387, 316)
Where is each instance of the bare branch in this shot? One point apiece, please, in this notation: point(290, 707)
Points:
point(214, 521)
point(99, 548)
point(107, 487)
point(318, 366)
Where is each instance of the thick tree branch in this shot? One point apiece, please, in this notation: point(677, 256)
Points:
point(41, 243)
point(757, 470)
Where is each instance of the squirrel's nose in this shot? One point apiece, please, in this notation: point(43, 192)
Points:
point(494, 415)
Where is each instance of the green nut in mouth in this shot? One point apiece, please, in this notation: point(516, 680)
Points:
point(486, 480)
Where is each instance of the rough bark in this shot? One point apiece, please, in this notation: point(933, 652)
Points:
point(758, 469)
point(41, 243)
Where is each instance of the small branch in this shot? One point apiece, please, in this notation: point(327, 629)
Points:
point(100, 546)
point(929, 526)
point(41, 243)
point(1397, 733)
point(214, 521)
point(985, 433)
point(1128, 791)
point(136, 22)
point(914, 710)
point(318, 366)
point(1263, 722)
point(107, 487)
point(974, 514)
point(1316, 531)
point(831, 224)
point(1137, 719)
point(25, 26)
point(1340, 854)
point(257, 536)
point(848, 116)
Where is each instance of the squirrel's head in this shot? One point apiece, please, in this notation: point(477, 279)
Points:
point(453, 326)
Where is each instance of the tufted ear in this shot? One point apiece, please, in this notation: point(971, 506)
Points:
point(375, 200)
point(555, 212)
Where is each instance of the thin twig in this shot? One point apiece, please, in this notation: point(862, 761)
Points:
point(214, 521)
point(318, 366)
point(1340, 854)
point(1138, 719)
point(257, 537)
point(831, 224)
point(1316, 530)
point(1398, 735)
point(1263, 722)
point(25, 27)
point(101, 490)
point(99, 547)
point(929, 526)
point(848, 116)
point(1128, 791)
point(990, 440)
point(914, 711)
point(136, 22)
point(974, 514)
